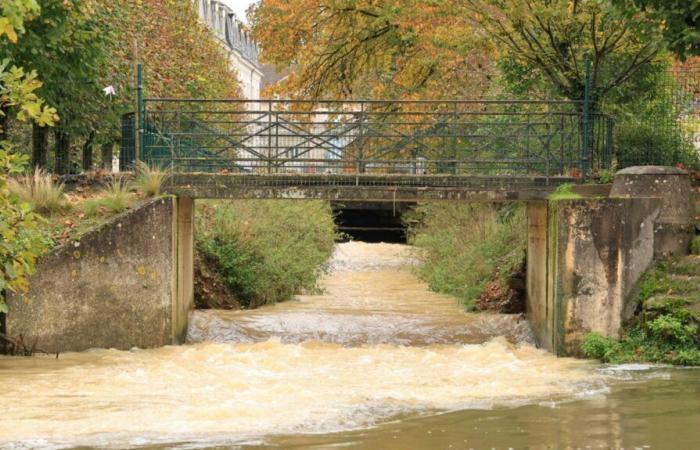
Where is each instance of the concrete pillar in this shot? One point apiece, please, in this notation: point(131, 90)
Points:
point(183, 298)
point(674, 227)
point(538, 309)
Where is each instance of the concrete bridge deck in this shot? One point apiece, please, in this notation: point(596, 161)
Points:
point(364, 187)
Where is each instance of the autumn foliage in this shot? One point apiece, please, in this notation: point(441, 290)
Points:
point(181, 56)
point(373, 49)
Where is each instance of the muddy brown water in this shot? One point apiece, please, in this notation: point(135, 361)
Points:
point(374, 361)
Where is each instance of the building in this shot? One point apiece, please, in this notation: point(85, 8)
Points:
point(278, 135)
point(242, 50)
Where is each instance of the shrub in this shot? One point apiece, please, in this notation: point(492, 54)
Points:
point(149, 180)
point(597, 346)
point(21, 242)
point(40, 190)
point(467, 246)
point(669, 338)
point(265, 251)
point(673, 328)
point(648, 143)
point(687, 357)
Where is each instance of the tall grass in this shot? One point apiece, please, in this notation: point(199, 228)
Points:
point(149, 180)
point(116, 198)
point(40, 190)
point(466, 246)
point(265, 251)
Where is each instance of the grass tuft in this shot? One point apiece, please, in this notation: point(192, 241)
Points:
point(40, 190)
point(149, 180)
point(564, 192)
point(116, 199)
point(117, 195)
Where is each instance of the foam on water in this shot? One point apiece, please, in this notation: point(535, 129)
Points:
point(248, 390)
point(375, 345)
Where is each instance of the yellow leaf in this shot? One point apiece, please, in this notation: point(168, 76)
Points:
point(7, 28)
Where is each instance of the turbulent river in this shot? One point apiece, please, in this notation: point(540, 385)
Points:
point(373, 361)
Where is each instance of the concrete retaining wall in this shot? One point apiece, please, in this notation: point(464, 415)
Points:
point(120, 286)
point(584, 266)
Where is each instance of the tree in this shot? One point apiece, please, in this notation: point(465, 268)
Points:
point(20, 242)
point(549, 40)
point(678, 19)
point(181, 58)
point(379, 49)
point(67, 44)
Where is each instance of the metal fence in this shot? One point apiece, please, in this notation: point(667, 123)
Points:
point(375, 137)
point(662, 124)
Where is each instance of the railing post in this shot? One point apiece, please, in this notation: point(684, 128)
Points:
point(360, 167)
point(269, 136)
point(528, 125)
point(455, 118)
point(586, 150)
point(140, 113)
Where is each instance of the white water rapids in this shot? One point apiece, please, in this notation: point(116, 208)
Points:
point(375, 345)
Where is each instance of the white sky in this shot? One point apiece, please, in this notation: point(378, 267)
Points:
point(239, 7)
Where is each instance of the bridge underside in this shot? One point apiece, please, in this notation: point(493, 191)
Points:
point(366, 187)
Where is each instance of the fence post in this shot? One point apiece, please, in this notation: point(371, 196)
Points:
point(360, 165)
point(269, 136)
point(455, 119)
point(586, 138)
point(141, 113)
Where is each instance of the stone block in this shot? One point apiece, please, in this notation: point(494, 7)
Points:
point(674, 228)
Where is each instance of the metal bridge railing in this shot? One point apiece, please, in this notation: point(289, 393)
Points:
point(464, 138)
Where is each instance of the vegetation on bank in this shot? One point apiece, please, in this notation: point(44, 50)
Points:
point(262, 251)
point(474, 252)
point(666, 328)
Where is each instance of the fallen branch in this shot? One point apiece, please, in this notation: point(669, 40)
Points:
point(17, 347)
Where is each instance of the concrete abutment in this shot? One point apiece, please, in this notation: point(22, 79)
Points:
point(586, 256)
point(127, 283)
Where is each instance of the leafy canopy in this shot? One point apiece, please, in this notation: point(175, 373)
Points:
point(545, 43)
point(678, 19)
point(367, 48)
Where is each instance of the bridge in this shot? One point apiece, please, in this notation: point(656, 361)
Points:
point(372, 150)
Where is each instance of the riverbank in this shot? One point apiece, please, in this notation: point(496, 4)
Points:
point(250, 253)
point(475, 252)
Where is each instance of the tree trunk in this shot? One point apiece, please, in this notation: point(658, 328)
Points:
point(62, 152)
point(107, 155)
point(4, 122)
point(40, 144)
point(87, 152)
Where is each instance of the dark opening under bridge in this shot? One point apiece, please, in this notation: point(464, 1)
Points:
point(372, 150)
